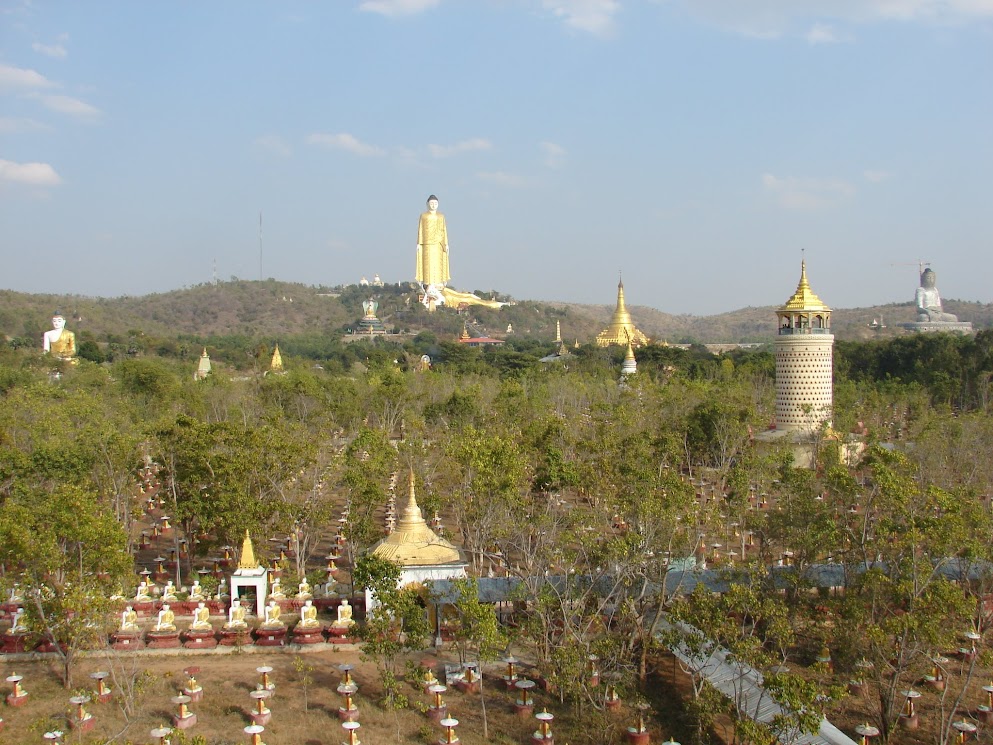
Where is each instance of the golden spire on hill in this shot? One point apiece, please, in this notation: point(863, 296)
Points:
point(621, 329)
point(277, 361)
point(247, 560)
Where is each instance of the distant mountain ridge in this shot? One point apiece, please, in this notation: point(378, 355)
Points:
point(272, 309)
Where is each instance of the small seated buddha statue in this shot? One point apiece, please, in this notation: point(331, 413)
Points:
point(304, 591)
point(344, 614)
point(308, 616)
point(166, 620)
point(169, 593)
point(276, 590)
point(272, 612)
point(144, 592)
point(236, 617)
point(129, 620)
point(17, 626)
point(196, 592)
point(201, 618)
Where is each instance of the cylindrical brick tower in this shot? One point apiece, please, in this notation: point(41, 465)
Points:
point(804, 372)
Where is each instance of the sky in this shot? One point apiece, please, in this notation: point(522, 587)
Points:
point(698, 147)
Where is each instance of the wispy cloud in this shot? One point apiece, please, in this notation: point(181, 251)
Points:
point(555, 155)
point(22, 77)
point(273, 144)
point(346, 142)
point(807, 193)
point(502, 178)
point(11, 125)
point(68, 105)
point(465, 146)
point(396, 8)
point(32, 174)
point(57, 50)
point(875, 176)
point(815, 19)
point(592, 16)
point(822, 33)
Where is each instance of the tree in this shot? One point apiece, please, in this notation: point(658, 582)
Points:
point(71, 556)
point(477, 633)
point(396, 621)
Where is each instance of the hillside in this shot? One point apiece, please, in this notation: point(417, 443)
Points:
point(273, 309)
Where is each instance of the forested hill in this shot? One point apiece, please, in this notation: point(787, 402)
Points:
point(273, 309)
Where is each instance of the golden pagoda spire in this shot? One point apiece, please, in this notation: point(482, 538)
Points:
point(558, 333)
point(277, 360)
point(621, 328)
point(411, 518)
point(465, 333)
point(247, 560)
point(804, 298)
point(413, 543)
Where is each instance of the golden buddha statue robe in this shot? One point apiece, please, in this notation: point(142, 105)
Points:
point(64, 347)
point(432, 249)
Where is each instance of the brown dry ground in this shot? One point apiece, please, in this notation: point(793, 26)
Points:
point(227, 681)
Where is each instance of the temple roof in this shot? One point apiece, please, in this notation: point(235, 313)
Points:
point(413, 543)
point(621, 329)
point(804, 298)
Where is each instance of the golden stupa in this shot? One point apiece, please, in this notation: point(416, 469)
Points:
point(621, 329)
point(413, 543)
point(247, 560)
point(277, 361)
point(804, 298)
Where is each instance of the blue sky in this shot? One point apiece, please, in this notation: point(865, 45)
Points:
point(696, 145)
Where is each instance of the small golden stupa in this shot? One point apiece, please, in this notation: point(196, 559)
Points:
point(413, 543)
point(247, 560)
point(804, 298)
point(277, 361)
point(621, 329)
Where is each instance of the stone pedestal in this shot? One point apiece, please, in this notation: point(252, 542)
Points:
point(195, 694)
point(199, 639)
point(82, 725)
point(13, 700)
point(523, 710)
point(14, 642)
point(339, 634)
point(540, 739)
point(121, 640)
point(637, 738)
point(235, 637)
point(857, 688)
point(466, 687)
point(984, 714)
point(936, 684)
point(910, 722)
point(348, 715)
point(163, 639)
point(612, 704)
point(184, 722)
point(437, 713)
point(307, 635)
point(274, 637)
point(261, 719)
point(46, 646)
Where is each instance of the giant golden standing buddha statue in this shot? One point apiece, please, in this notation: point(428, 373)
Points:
point(432, 272)
point(621, 329)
